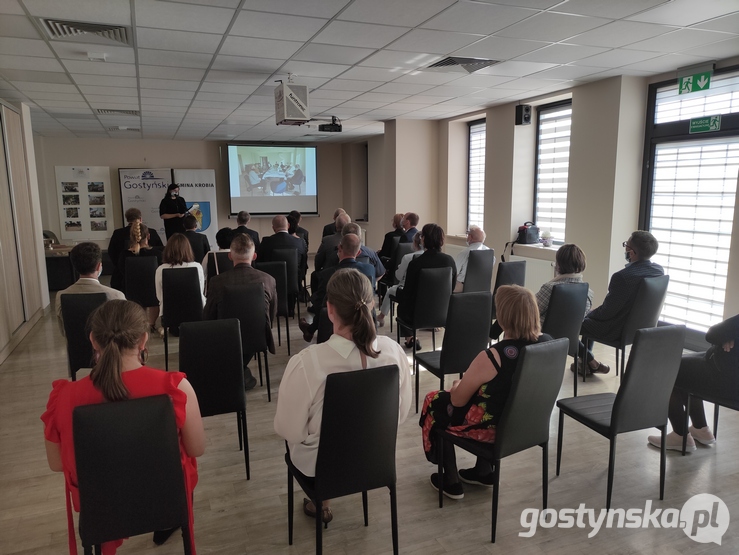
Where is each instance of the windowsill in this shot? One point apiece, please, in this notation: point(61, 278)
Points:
point(535, 251)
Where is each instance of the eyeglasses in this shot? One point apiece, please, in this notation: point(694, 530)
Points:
point(626, 245)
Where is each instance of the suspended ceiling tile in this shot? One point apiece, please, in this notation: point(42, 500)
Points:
point(616, 58)
point(402, 88)
point(242, 63)
point(29, 63)
point(433, 42)
point(608, 8)
point(18, 26)
point(79, 51)
point(181, 41)
point(28, 86)
point(182, 17)
point(516, 68)
point(396, 59)
point(161, 93)
point(224, 88)
point(103, 80)
point(351, 85)
point(686, 12)
point(259, 48)
point(98, 11)
point(728, 24)
point(620, 33)
point(569, 72)
point(100, 68)
point(553, 27)
point(332, 54)
point(561, 53)
point(236, 77)
point(24, 47)
point(678, 41)
point(365, 35)
point(269, 26)
point(332, 95)
point(391, 12)
point(312, 69)
point(472, 17)
point(162, 72)
point(718, 50)
point(427, 78)
point(500, 48)
point(34, 76)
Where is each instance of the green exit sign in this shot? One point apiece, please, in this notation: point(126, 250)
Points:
point(705, 125)
point(694, 83)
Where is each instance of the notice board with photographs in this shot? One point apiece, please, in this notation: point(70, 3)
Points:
point(85, 202)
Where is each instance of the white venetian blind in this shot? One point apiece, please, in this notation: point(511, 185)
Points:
point(721, 98)
point(476, 175)
point(691, 216)
point(552, 169)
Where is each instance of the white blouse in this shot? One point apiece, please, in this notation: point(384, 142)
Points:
point(303, 385)
point(158, 280)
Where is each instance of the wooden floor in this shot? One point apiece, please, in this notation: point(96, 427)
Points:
point(233, 516)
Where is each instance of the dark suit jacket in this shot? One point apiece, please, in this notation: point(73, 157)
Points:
point(283, 241)
point(408, 297)
point(318, 298)
point(243, 274)
point(328, 246)
point(408, 236)
point(333, 259)
point(251, 233)
point(121, 239)
point(329, 229)
point(387, 243)
point(303, 234)
point(607, 321)
point(199, 243)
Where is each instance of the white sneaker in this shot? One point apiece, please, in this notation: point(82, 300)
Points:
point(673, 441)
point(702, 435)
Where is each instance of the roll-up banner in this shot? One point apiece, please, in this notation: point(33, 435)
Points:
point(144, 189)
point(198, 188)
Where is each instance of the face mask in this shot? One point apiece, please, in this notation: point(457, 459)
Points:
point(173, 194)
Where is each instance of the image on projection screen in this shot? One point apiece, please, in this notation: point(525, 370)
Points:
point(272, 179)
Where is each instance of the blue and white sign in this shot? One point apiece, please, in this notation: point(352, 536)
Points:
point(144, 189)
point(198, 188)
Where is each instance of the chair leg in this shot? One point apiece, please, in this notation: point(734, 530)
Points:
point(559, 437)
point(623, 361)
point(290, 503)
point(287, 335)
point(433, 339)
point(611, 465)
point(166, 350)
point(238, 423)
point(545, 472)
point(298, 306)
point(364, 508)
point(617, 353)
point(392, 316)
point(440, 467)
point(394, 518)
point(715, 420)
point(259, 363)
point(319, 532)
point(496, 487)
point(266, 375)
point(662, 462)
point(416, 369)
point(87, 549)
point(246, 445)
point(685, 424)
point(441, 382)
point(279, 338)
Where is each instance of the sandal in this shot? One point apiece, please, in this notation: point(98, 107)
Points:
point(310, 509)
point(409, 343)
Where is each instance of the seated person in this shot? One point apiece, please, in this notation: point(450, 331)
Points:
point(353, 345)
point(714, 373)
point(177, 255)
point(400, 274)
point(387, 243)
point(210, 262)
point(432, 240)
point(473, 405)
point(372, 258)
point(87, 260)
point(121, 237)
point(119, 332)
point(198, 241)
point(475, 238)
point(607, 321)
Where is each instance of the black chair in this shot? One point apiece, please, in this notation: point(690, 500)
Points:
point(140, 278)
point(325, 327)
point(479, 275)
point(216, 372)
point(728, 402)
point(354, 454)
point(641, 401)
point(466, 334)
point(76, 309)
point(246, 303)
point(129, 471)
point(290, 256)
point(182, 301)
point(566, 312)
point(432, 305)
point(278, 271)
point(218, 262)
point(524, 422)
point(509, 273)
point(644, 313)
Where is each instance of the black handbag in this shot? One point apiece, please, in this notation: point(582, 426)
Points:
point(528, 234)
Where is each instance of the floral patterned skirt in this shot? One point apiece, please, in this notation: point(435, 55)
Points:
point(471, 421)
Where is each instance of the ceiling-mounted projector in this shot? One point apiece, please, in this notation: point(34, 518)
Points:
point(291, 104)
point(333, 127)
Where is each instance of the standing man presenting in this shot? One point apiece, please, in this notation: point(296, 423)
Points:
point(172, 209)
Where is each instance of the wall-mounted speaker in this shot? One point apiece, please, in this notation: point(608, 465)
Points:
point(523, 114)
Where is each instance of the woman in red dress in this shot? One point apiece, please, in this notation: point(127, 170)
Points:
point(119, 332)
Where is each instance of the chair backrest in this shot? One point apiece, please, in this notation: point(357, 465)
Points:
point(290, 256)
point(217, 263)
point(394, 242)
point(246, 303)
point(466, 333)
point(76, 309)
point(644, 395)
point(566, 312)
point(400, 252)
point(479, 276)
point(140, 280)
point(509, 273)
point(536, 382)
point(182, 300)
point(358, 454)
point(128, 468)
point(363, 259)
point(325, 327)
point(432, 299)
point(278, 270)
point(647, 307)
point(216, 372)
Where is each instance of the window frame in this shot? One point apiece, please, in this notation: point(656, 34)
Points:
point(470, 124)
point(539, 109)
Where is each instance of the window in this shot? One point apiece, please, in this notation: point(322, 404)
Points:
point(552, 168)
point(721, 98)
point(476, 175)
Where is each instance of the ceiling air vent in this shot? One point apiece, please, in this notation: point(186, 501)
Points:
point(104, 112)
point(60, 29)
point(457, 64)
point(119, 128)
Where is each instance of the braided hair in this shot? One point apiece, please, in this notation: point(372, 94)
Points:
point(139, 234)
point(350, 293)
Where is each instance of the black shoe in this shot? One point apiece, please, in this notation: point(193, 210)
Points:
point(250, 383)
point(452, 491)
point(161, 536)
point(471, 476)
point(174, 332)
point(579, 368)
point(601, 369)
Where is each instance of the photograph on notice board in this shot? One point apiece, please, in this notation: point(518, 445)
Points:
point(83, 194)
point(99, 225)
point(96, 200)
point(70, 200)
point(70, 187)
point(72, 212)
point(73, 225)
point(95, 187)
point(97, 212)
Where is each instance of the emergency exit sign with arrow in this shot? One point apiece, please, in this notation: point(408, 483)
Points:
point(696, 82)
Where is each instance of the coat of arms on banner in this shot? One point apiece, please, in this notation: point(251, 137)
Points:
point(201, 211)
